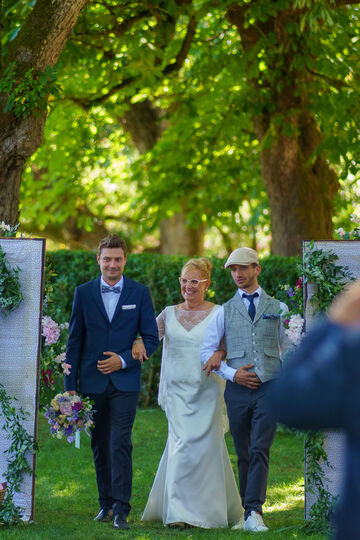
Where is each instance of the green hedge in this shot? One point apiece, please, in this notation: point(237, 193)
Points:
point(67, 269)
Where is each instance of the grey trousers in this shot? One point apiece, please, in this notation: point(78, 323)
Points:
point(253, 431)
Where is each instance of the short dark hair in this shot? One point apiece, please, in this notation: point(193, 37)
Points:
point(112, 241)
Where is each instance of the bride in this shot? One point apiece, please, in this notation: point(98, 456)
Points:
point(194, 484)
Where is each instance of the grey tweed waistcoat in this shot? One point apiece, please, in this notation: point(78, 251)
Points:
point(253, 342)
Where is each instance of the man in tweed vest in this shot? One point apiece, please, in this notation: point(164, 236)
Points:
point(251, 323)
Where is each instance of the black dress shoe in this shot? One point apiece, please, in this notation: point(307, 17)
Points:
point(104, 515)
point(120, 522)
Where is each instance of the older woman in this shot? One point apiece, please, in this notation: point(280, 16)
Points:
point(194, 484)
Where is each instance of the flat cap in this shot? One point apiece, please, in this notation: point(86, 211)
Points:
point(243, 256)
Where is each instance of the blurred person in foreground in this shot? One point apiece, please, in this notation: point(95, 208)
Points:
point(320, 389)
point(194, 484)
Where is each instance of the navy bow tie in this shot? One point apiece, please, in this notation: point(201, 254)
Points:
point(106, 289)
point(251, 309)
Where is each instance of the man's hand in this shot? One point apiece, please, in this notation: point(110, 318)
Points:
point(214, 362)
point(247, 378)
point(71, 392)
point(345, 310)
point(138, 351)
point(111, 364)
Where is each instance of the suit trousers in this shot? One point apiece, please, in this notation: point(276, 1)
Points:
point(253, 431)
point(112, 447)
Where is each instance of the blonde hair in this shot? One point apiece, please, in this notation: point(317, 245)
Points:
point(202, 264)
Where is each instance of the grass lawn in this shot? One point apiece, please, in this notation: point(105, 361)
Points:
point(66, 493)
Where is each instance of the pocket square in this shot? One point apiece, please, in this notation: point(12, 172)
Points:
point(128, 306)
point(271, 316)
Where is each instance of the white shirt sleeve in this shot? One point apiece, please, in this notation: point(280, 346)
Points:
point(213, 335)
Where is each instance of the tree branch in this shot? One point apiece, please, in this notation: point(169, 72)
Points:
point(120, 28)
point(333, 82)
point(180, 59)
point(87, 103)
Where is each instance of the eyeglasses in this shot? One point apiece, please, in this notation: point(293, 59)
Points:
point(192, 282)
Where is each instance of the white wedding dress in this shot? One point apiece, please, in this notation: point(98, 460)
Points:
point(194, 482)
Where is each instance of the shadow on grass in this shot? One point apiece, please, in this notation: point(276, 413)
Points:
point(66, 493)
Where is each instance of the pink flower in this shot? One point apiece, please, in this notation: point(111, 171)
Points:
point(66, 408)
point(60, 358)
point(66, 368)
point(50, 330)
point(299, 284)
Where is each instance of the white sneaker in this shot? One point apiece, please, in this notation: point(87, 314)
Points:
point(239, 525)
point(255, 523)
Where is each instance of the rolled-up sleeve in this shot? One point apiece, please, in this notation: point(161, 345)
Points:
point(214, 333)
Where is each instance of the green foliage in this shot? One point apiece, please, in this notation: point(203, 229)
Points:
point(21, 445)
point(27, 93)
point(13, 13)
point(319, 267)
point(321, 511)
point(10, 288)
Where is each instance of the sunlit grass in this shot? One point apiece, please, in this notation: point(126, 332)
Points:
point(66, 493)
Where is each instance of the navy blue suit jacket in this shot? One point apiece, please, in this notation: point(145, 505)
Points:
point(319, 388)
point(91, 333)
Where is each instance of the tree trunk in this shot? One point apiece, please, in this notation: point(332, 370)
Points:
point(38, 44)
point(300, 188)
point(145, 125)
point(300, 194)
point(178, 239)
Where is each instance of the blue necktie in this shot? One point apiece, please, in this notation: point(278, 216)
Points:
point(106, 289)
point(251, 309)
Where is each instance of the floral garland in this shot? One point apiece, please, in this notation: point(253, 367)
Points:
point(53, 358)
point(21, 442)
point(21, 445)
point(318, 267)
point(10, 289)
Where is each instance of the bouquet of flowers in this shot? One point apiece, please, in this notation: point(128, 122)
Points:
point(68, 414)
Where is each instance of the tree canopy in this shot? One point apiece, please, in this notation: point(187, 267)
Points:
point(185, 115)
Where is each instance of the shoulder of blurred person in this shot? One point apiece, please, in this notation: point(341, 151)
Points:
point(319, 386)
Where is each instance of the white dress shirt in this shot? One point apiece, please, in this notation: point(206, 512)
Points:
point(216, 329)
point(110, 300)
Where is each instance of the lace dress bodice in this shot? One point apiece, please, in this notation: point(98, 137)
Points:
point(187, 319)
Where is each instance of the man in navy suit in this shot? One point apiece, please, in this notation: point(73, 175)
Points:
point(108, 314)
point(320, 389)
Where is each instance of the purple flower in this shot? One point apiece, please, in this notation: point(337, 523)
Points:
point(68, 431)
point(290, 292)
point(77, 406)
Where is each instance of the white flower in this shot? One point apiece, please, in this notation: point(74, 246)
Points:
point(340, 232)
point(294, 332)
point(354, 218)
point(4, 226)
